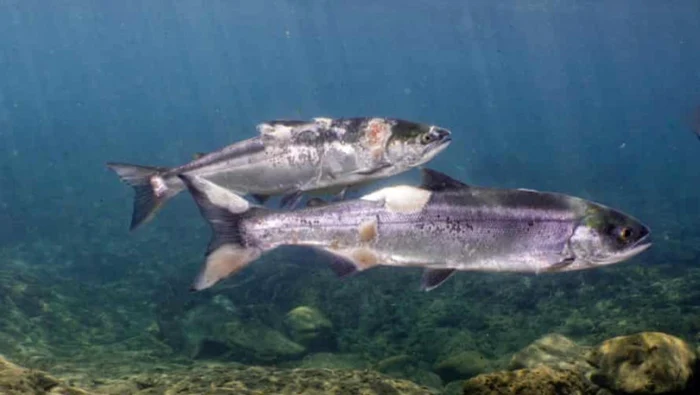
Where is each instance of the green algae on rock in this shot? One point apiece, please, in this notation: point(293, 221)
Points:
point(405, 367)
point(310, 328)
point(15, 380)
point(213, 379)
point(541, 380)
point(220, 379)
point(215, 331)
point(395, 363)
point(645, 363)
point(326, 360)
point(553, 350)
point(257, 343)
point(462, 365)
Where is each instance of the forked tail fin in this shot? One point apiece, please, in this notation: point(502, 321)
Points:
point(144, 180)
point(229, 250)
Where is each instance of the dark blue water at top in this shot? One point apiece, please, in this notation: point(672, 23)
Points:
point(581, 97)
point(589, 98)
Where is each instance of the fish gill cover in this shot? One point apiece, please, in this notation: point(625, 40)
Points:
point(584, 99)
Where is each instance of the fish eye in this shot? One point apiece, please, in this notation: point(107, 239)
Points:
point(625, 233)
point(427, 138)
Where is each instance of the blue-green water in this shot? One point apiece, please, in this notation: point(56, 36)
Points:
point(593, 99)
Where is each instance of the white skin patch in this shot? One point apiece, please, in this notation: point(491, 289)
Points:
point(368, 231)
point(277, 132)
point(323, 122)
point(158, 185)
point(221, 197)
point(401, 198)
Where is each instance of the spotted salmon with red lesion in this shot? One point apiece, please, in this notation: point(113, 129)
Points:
point(293, 157)
point(377, 133)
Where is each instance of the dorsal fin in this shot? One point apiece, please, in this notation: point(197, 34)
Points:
point(435, 181)
point(198, 155)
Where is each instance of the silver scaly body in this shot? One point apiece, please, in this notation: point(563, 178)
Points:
point(293, 157)
point(442, 226)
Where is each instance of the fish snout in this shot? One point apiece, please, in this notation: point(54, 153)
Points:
point(644, 237)
point(442, 134)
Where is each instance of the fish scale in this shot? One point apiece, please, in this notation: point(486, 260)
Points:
point(442, 225)
point(293, 157)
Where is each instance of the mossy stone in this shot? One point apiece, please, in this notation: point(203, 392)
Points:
point(644, 363)
point(257, 343)
point(541, 380)
point(462, 365)
point(310, 328)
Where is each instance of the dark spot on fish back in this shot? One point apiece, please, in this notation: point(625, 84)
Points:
point(287, 122)
point(485, 197)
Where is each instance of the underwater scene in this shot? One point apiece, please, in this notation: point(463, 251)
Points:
point(350, 197)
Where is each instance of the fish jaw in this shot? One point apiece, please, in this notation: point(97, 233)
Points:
point(430, 152)
point(641, 246)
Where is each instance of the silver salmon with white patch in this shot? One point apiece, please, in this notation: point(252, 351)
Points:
point(292, 157)
point(443, 226)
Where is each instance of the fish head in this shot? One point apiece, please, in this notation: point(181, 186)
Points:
point(606, 236)
point(413, 144)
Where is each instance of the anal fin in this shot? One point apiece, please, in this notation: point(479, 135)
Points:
point(347, 262)
point(223, 262)
point(433, 278)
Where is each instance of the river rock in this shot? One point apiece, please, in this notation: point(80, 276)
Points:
point(310, 328)
point(644, 363)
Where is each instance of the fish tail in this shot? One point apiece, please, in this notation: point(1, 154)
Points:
point(230, 250)
point(151, 191)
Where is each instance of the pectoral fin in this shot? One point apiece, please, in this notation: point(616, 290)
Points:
point(557, 265)
point(433, 278)
point(372, 170)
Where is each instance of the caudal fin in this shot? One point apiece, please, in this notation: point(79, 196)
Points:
point(146, 200)
point(229, 251)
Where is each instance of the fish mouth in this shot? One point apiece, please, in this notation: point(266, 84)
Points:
point(641, 244)
point(437, 146)
point(635, 249)
point(432, 150)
